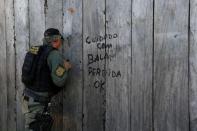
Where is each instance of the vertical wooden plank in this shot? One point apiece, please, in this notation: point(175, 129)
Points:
point(94, 83)
point(36, 21)
point(171, 65)
point(72, 97)
point(118, 67)
point(3, 73)
point(21, 44)
point(11, 91)
point(54, 19)
point(142, 52)
point(53, 14)
point(193, 65)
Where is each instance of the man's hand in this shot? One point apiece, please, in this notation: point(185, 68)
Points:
point(67, 65)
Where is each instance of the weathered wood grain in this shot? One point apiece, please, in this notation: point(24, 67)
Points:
point(118, 84)
point(193, 65)
point(36, 21)
point(53, 14)
point(54, 19)
point(72, 97)
point(3, 74)
point(10, 57)
point(142, 52)
point(22, 45)
point(171, 65)
point(94, 85)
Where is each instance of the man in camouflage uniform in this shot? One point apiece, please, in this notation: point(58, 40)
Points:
point(35, 99)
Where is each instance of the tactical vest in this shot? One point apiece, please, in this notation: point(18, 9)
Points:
point(36, 74)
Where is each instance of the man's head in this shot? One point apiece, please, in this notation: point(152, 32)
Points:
point(53, 37)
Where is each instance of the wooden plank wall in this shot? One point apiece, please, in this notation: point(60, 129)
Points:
point(11, 63)
point(171, 65)
point(72, 95)
point(3, 78)
point(94, 85)
point(21, 27)
point(193, 65)
point(134, 63)
point(118, 83)
point(142, 67)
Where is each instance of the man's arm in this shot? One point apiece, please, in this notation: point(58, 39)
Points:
point(59, 68)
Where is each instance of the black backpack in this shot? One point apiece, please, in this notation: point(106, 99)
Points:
point(32, 64)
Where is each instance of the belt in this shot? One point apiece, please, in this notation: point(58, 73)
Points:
point(37, 98)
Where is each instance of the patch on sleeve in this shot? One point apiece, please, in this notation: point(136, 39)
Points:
point(34, 50)
point(60, 71)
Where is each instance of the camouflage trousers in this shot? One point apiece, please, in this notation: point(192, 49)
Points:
point(30, 108)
